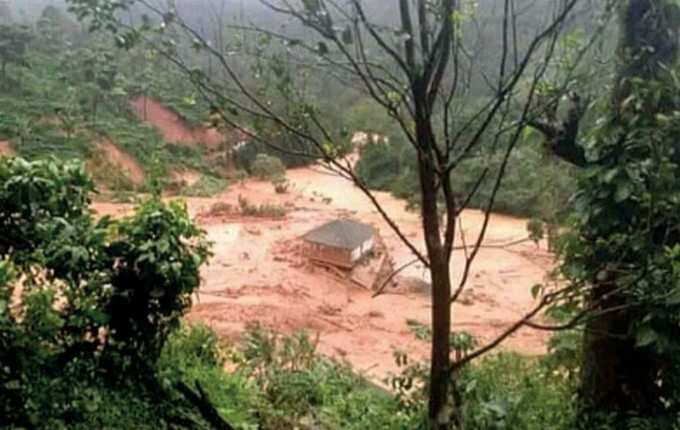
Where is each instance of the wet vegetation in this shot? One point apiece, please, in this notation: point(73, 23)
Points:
point(92, 327)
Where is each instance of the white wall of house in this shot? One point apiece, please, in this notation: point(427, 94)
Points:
point(361, 250)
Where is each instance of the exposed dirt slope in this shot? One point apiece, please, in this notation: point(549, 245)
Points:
point(6, 149)
point(122, 160)
point(171, 126)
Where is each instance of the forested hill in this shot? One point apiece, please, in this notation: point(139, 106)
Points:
point(69, 94)
point(66, 92)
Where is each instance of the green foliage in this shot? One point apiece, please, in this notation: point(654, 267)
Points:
point(624, 229)
point(281, 185)
point(33, 198)
point(500, 391)
point(14, 40)
point(158, 253)
point(368, 117)
point(77, 94)
point(206, 186)
point(267, 167)
point(381, 164)
point(507, 391)
point(264, 210)
point(80, 297)
point(297, 388)
point(536, 230)
point(533, 187)
point(194, 354)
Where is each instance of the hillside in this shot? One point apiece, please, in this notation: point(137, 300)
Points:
point(321, 215)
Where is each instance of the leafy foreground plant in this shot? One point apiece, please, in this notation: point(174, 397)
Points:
point(89, 312)
point(298, 388)
point(86, 305)
point(90, 335)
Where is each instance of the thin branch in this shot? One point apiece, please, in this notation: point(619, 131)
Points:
point(387, 281)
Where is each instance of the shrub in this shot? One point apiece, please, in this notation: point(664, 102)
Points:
point(33, 196)
point(281, 185)
point(207, 186)
point(508, 391)
point(158, 253)
point(193, 344)
point(89, 298)
point(241, 175)
point(267, 167)
point(298, 388)
point(536, 230)
point(221, 208)
point(194, 354)
point(379, 165)
point(533, 187)
point(264, 210)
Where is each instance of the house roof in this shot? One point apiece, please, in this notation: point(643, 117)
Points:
point(342, 233)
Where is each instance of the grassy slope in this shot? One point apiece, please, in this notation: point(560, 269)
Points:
point(29, 120)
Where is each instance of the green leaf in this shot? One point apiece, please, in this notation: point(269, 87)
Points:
point(662, 119)
point(645, 336)
point(609, 176)
point(673, 298)
point(623, 192)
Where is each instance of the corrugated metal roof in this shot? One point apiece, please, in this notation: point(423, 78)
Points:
point(342, 233)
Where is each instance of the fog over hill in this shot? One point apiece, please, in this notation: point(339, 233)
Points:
point(253, 9)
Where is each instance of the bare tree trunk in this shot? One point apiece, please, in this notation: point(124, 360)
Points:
point(440, 412)
point(441, 309)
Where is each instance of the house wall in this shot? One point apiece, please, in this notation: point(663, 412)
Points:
point(326, 254)
point(338, 256)
point(362, 250)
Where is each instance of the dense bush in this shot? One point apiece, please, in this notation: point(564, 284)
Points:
point(34, 199)
point(533, 186)
point(206, 186)
point(281, 185)
point(158, 253)
point(298, 388)
point(264, 210)
point(267, 167)
point(83, 299)
point(380, 165)
point(507, 391)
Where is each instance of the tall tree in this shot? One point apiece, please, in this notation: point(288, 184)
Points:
point(418, 69)
point(54, 28)
point(14, 40)
point(620, 254)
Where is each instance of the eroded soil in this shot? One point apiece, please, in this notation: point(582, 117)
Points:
point(259, 274)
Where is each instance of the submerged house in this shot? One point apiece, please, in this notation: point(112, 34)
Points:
point(341, 243)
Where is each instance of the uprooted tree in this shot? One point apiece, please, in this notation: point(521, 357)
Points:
point(623, 253)
point(420, 71)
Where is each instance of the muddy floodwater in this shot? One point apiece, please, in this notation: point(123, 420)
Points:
point(259, 273)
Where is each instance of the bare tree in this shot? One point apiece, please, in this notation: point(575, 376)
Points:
point(420, 70)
